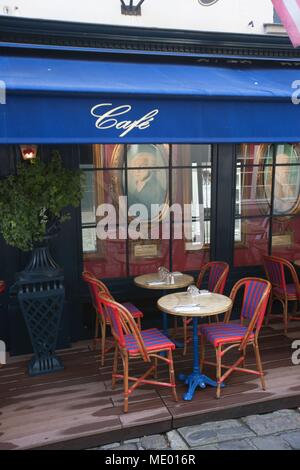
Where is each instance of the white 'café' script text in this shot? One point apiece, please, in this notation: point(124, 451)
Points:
point(106, 119)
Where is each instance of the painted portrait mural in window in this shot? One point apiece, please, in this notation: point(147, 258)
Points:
point(147, 176)
point(147, 185)
point(159, 174)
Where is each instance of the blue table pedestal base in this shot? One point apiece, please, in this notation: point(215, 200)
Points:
point(194, 380)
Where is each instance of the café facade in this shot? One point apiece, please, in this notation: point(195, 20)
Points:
point(219, 115)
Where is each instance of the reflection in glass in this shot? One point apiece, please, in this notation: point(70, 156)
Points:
point(89, 240)
point(146, 256)
point(251, 241)
point(192, 186)
point(250, 154)
point(109, 261)
point(286, 237)
point(287, 180)
point(257, 186)
point(88, 203)
point(188, 155)
point(253, 181)
point(255, 176)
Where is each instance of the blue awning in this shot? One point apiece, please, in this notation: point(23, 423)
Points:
point(65, 100)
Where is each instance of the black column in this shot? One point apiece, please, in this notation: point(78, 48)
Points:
point(66, 249)
point(223, 202)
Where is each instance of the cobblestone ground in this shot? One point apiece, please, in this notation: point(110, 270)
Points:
point(274, 431)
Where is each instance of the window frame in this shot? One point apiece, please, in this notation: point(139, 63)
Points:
point(170, 169)
point(272, 215)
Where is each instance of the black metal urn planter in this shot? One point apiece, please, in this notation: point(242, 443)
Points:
point(41, 294)
point(33, 206)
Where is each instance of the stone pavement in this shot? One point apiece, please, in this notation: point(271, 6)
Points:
point(274, 431)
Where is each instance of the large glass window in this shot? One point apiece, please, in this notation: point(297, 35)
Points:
point(158, 177)
point(267, 203)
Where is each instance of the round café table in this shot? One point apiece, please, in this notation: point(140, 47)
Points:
point(152, 281)
point(204, 305)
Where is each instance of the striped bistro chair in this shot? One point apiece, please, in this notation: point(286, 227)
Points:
point(276, 269)
point(131, 343)
point(216, 273)
point(96, 286)
point(226, 336)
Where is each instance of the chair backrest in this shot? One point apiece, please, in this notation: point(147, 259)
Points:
point(275, 271)
point(122, 323)
point(255, 300)
point(217, 272)
point(95, 286)
point(87, 276)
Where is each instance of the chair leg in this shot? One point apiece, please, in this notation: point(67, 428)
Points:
point(244, 356)
point(259, 365)
point(202, 351)
point(115, 367)
point(219, 370)
point(155, 368)
point(103, 340)
point(125, 365)
point(96, 335)
point(285, 316)
point(270, 305)
point(185, 336)
point(139, 323)
point(172, 375)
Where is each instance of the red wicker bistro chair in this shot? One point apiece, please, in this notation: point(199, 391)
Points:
point(130, 343)
point(217, 272)
point(96, 286)
point(231, 335)
point(276, 268)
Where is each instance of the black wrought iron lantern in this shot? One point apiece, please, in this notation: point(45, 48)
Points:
point(131, 7)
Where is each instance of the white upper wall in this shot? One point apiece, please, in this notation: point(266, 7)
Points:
point(225, 15)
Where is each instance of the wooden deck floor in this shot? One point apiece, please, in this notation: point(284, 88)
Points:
point(76, 409)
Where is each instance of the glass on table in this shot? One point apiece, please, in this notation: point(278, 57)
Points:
point(193, 291)
point(163, 273)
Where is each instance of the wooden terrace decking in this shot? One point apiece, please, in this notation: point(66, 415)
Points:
point(76, 408)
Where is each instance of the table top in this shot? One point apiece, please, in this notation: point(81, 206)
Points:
point(297, 262)
point(209, 304)
point(182, 281)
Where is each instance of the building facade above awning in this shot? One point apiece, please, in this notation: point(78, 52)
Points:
point(69, 100)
